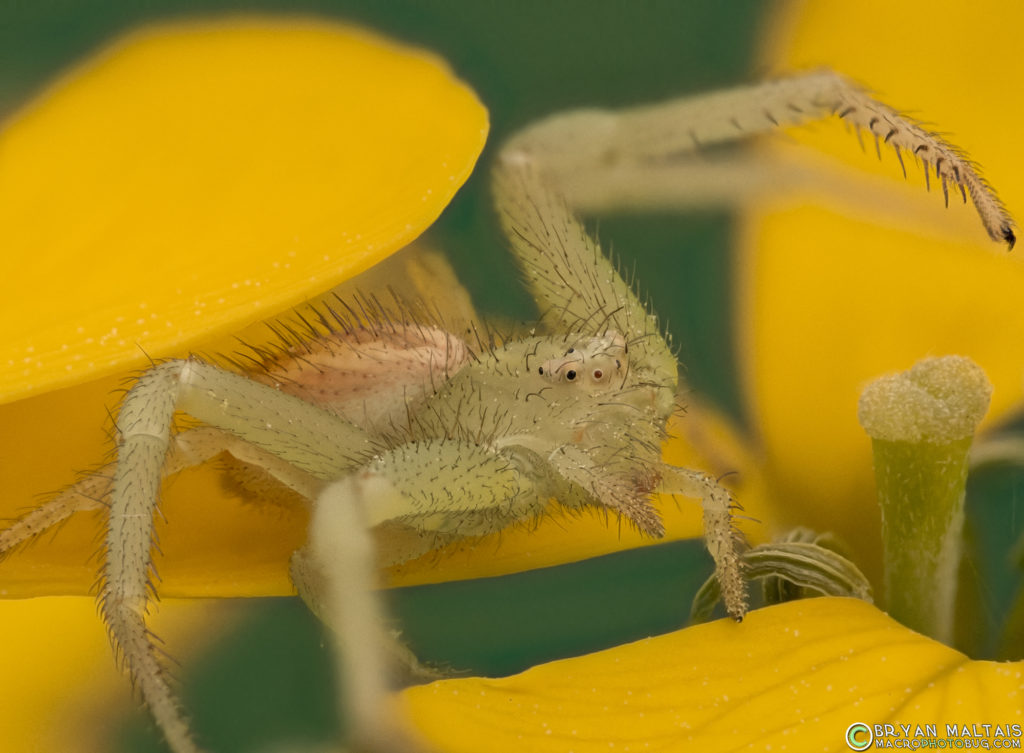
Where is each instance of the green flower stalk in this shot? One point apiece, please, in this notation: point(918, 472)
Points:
point(921, 423)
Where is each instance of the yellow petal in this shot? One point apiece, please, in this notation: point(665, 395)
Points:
point(39, 635)
point(192, 178)
point(170, 191)
point(63, 687)
point(841, 287)
point(790, 677)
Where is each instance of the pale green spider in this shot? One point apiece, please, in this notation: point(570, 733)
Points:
point(445, 439)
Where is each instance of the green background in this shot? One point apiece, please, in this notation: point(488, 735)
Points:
point(268, 681)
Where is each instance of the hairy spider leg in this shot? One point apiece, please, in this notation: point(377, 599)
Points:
point(441, 486)
point(307, 437)
point(642, 156)
point(189, 448)
point(724, 541)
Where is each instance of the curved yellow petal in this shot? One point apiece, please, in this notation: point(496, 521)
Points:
point(194, 178)
point(191, 180)
point(840, 287)
point(62, 687)
point(790, 677)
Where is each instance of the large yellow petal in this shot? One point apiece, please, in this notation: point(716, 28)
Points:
point(186, 182)
point(790, 677)
point(196, 177)
point(840, 287)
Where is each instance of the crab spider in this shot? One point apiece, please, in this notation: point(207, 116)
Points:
point(404, 437)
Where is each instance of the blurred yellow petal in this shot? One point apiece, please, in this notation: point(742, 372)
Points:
point(790, 677)
point(66, 632)
point(177, 187)
point(62, 687)
point(837, 289)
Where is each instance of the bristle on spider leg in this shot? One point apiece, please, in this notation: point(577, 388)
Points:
point(343, 322)
point(298, 338)
point(312, 331)
point(959, 182)
point(899, 156)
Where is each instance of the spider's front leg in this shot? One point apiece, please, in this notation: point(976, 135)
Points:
point(642, 157)
point(442, 489)
point(314, 441)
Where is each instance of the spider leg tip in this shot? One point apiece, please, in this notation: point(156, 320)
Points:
point(1009, 236)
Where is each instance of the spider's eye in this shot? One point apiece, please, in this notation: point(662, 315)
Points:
point(571, 350)
point(570, 375)
point(540, 370)
point(618, 363)
point(598, 373)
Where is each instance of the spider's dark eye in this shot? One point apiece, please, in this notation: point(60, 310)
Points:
point(540, 370)
point(598, 373)
point(571, 350)
point(570, 375)
point(618, 363)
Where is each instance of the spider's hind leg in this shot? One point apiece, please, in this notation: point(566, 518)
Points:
point(188, 448)
point(89, 494)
